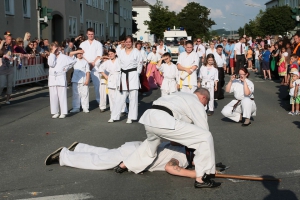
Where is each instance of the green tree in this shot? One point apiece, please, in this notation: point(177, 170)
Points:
point(194, 18)
point(160, 18)
point(277, 20)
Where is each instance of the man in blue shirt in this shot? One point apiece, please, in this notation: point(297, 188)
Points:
point(231, 58)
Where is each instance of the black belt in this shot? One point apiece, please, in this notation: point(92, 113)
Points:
point(126, 72)
point(163, 109)
point(237, 103)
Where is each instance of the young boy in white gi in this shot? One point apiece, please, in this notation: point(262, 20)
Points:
point(170, 72)
point(103, 83)
point(58, 66)
point(80, 84)
point(187, 65)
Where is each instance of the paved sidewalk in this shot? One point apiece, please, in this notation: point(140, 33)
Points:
point(25, 89)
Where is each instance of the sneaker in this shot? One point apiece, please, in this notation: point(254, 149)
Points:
point(296, 113)
point(85, 110)
point(7, 102)
point(74, 110)
point(53, 157)
point(291, 113)
point(110, 121)
point(62, 116)
point(102, 110)
point(55, 116)
point(129, 121)
point(72, 146)
point(209, 113)
point(207, 183)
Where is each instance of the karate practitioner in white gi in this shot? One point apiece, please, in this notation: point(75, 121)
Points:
point(103, 82)
point(84, 156)
point(243, 106)
point(200, 50)
point(131, 66)
point(59, 64)
point(187, 65)
point(110, 70)
point(209, 79)
point(171, 76)
point(80, 83)
point(93, 50)
point(179, 117)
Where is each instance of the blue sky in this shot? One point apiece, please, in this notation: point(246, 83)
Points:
point(221, 10)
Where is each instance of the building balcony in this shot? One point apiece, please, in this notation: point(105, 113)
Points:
point(116, 18)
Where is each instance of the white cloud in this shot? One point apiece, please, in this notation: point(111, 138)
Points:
point(216, 13)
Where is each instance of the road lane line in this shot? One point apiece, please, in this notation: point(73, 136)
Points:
point(64, 197)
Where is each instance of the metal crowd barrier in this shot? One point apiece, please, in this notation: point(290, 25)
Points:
point(31, 70)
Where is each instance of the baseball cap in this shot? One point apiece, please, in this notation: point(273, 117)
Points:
point(7, 33)
point(295, 73)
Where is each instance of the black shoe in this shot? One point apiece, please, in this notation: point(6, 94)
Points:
point(246, 124)
point(53, 157)
point(72, 146)
point(119, 169)
point(207, 183)
point(209, 113)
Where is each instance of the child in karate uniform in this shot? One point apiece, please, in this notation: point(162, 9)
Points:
point(103, 83)
point(80, 83)
point(170, 72)
point(59, 64)
point(209, 79)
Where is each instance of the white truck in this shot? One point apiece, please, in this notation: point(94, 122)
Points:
point(172, 38)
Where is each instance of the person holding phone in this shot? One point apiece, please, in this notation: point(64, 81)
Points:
point(243, 106)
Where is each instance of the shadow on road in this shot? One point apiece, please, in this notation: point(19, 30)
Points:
point(297, 123)
point(275, 193)
point(283, 97)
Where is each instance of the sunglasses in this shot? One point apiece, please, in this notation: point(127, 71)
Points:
point(198, 41)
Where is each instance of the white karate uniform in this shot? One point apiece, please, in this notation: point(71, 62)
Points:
point(98, 158)
point(208, 76)
point(134, 62)
point(112, 69)
point(210, 51)
point(144, 56)
point(188, 127)
point(153, 57)
point(247, 107)
point(189, 84)
point(80, 91)
point(91, 52)
point(103, 86)
point(220, 60)
point(171, 77)
point(58, 66)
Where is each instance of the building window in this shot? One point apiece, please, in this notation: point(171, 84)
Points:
point(26, 8)
point(9, 7)
point(121, 11)
point(81, 12)
point(96, 28)
point(101, 29)
point(89, 24)
point(89, 2)
point(73, 26)
point(111, 30)
point(111, 6)
point(102, 4)
point(106, 19)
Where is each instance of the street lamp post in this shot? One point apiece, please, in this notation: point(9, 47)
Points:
point(244, 20)
point(231, 30)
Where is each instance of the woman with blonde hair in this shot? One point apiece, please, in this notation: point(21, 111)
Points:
point(26, 39)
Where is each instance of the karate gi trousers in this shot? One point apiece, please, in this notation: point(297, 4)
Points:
point(184, 133)
point(185, 88)
point(209, 85)
point(246, 107)
point(219, 94)
point(119, 104)
point(103, 96)
point(58, 99)
point(80, 95)
point(112, 92)
point(96, 158)
point(95, 76)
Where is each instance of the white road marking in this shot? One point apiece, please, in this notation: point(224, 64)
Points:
point(64, 197)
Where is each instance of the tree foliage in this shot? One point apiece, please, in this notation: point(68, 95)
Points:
point(194, 18)
point(277, 20)
point(160, 18)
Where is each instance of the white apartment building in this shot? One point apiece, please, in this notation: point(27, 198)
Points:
point(142, 8)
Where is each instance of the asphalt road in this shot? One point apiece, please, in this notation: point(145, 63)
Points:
point(269, 147)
